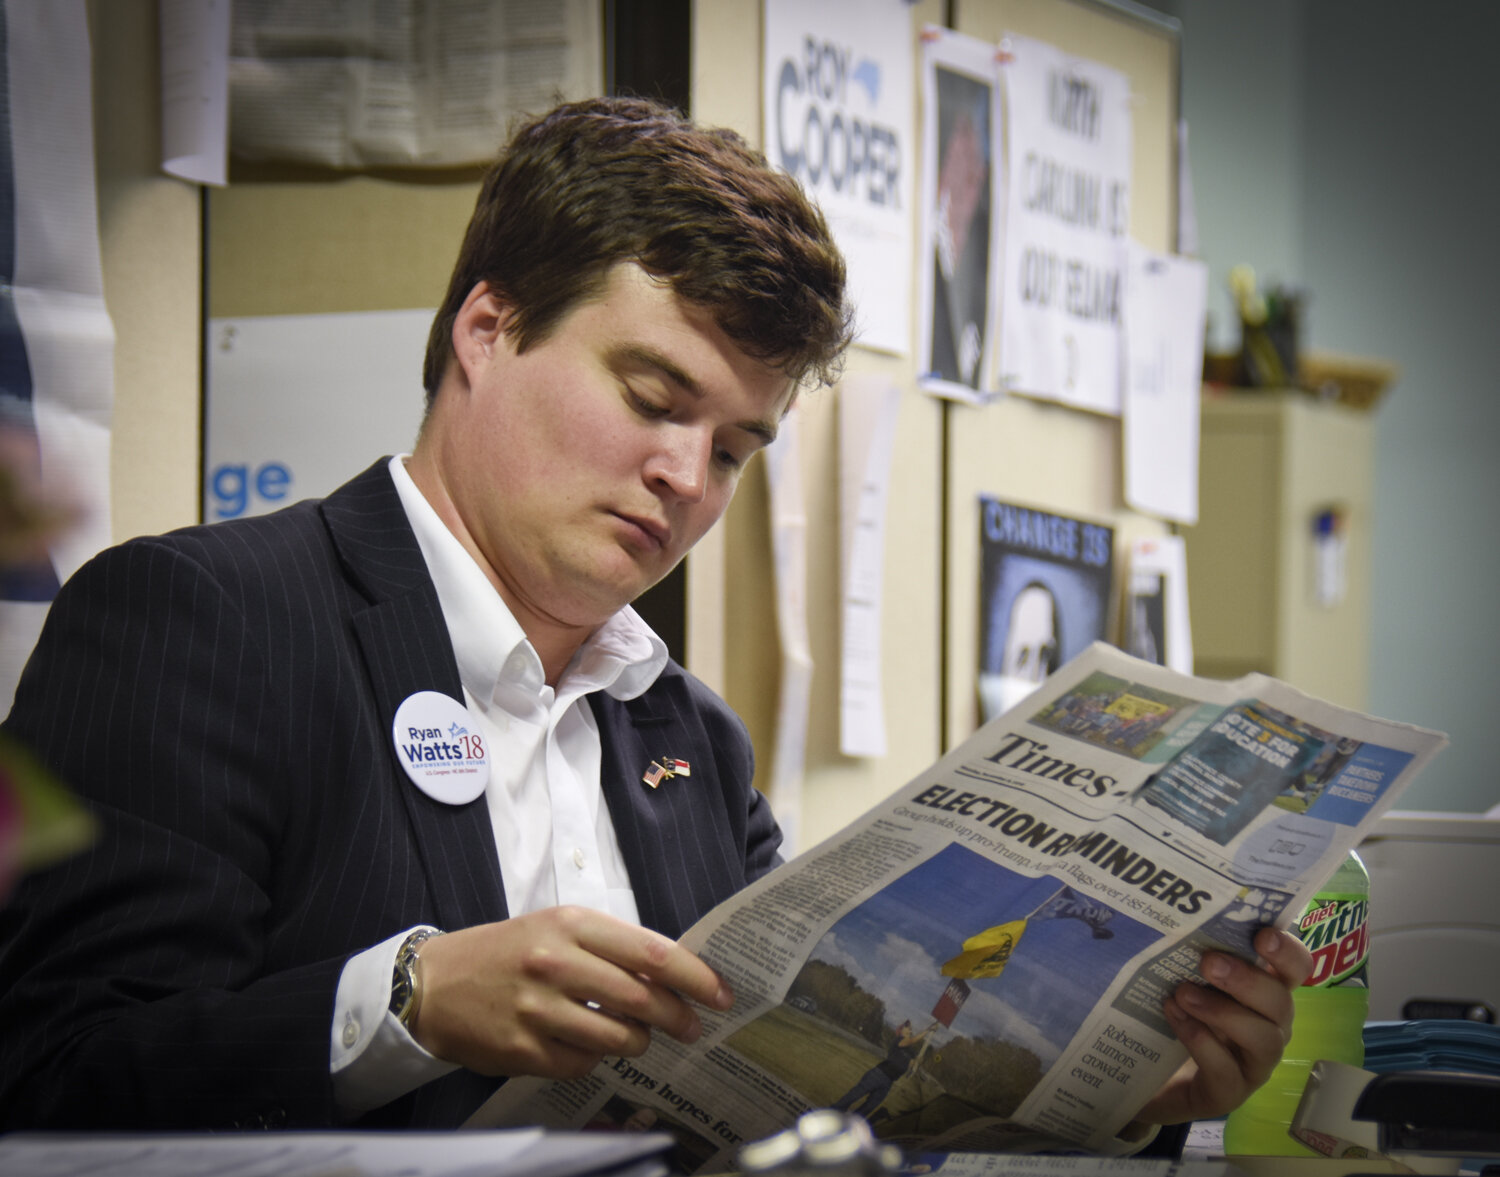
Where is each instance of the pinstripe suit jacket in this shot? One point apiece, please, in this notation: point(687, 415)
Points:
point(223, 697)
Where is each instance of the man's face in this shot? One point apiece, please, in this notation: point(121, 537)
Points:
point(584, 468)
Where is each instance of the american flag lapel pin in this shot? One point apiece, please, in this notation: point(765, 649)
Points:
point(665, 769)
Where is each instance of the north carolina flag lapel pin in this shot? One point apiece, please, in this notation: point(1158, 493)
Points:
point(665, 770)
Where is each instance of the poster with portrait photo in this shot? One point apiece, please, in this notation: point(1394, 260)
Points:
point(1044, 585)
point(959, 195)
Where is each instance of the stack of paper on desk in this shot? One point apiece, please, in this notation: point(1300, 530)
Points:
point(523, 1153)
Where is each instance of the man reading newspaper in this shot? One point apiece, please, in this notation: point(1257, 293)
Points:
point(309, 905)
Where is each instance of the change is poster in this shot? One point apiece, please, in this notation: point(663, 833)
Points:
point(1044, 584)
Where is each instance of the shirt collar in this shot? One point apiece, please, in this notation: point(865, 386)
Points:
point(623, 657)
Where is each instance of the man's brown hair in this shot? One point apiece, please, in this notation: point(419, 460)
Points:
point(609, 180)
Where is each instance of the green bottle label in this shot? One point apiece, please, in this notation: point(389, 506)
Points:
point(1335, 931)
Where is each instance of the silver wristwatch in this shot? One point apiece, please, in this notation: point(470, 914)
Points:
point(406, 979)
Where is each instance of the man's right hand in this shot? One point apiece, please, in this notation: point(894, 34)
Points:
point(552, 992)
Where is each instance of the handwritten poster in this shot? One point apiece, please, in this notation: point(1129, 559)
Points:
point(839, 117)
point(1067, 212)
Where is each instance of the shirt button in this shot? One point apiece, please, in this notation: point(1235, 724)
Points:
point(351, 1033)
point(578, 859)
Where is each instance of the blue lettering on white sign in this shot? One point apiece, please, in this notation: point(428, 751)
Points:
point(232, 487)
point(822, 142)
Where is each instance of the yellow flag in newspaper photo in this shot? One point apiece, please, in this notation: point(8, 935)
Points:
point(986, 953)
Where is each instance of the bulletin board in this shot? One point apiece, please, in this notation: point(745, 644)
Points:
point(946, 456)
point(1040, 453)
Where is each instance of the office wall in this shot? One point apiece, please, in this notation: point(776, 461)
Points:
point(1348, 145)
point(1036, 452)
point(1021, 450)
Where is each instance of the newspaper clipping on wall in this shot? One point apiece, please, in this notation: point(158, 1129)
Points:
point(401, 83)
point(979, 962)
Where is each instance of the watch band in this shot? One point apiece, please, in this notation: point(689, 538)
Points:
point(406, 977)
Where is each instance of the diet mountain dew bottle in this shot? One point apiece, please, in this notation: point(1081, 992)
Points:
point(1331, 1009)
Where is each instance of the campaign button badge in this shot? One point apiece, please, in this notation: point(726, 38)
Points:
point(441, 748)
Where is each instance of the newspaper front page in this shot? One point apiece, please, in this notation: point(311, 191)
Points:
point(402, 83)
point(979, 962)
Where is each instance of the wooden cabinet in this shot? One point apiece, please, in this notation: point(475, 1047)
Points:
point(1264, 586)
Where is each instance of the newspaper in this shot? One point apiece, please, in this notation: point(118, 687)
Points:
point(365, 83)
point(979, 962)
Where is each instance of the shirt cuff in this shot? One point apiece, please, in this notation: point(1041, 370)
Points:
point(373, 1059)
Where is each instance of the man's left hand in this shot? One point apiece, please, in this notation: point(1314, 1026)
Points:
point(1234, 1033)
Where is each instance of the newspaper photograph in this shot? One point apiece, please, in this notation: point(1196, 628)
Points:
point(979, 962)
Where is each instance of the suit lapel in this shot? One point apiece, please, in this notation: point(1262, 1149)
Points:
point(406, 648)
point(674, 838)
point(631, 736)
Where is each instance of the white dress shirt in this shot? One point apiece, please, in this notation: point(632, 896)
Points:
point(552, 829)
